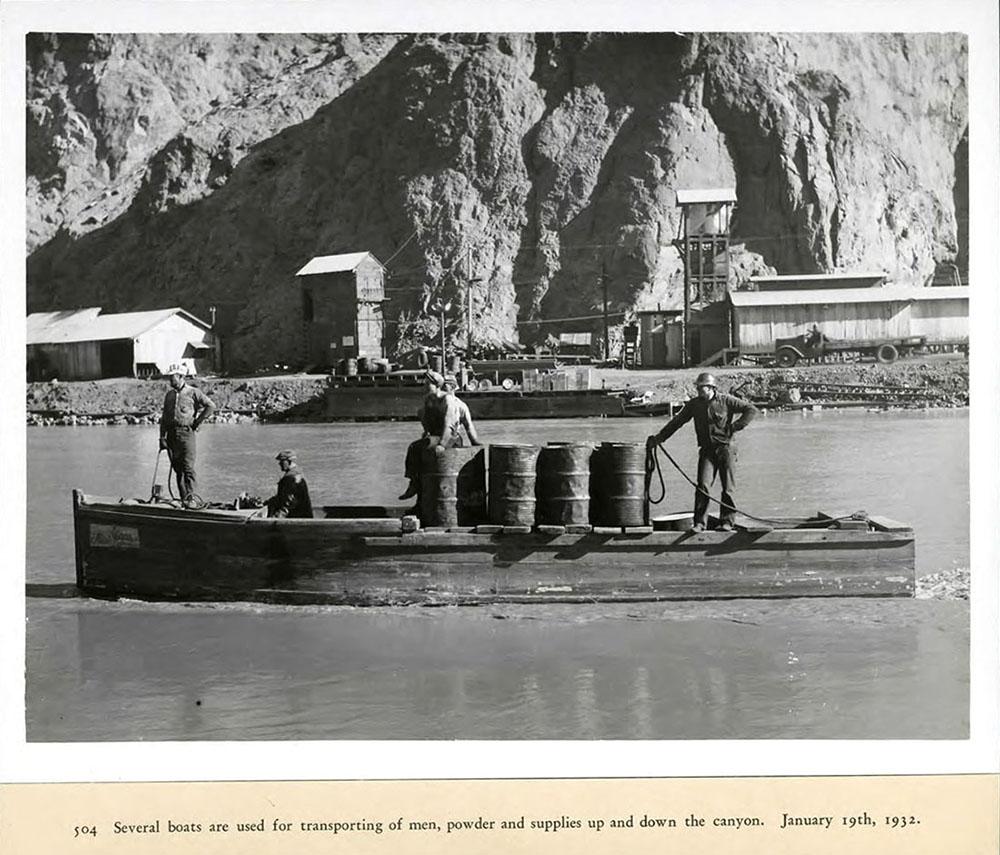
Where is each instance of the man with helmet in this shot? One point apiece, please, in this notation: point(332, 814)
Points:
point(184, 409)
point(292, 499)
point(717, 417)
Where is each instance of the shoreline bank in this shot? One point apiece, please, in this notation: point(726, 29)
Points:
point(934, 382)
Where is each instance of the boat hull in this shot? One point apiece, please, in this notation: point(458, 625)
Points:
point(398, 403)
point(156, 552)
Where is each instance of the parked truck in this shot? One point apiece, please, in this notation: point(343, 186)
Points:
point(814, 345)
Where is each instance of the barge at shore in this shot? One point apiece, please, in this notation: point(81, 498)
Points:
point(381, 556)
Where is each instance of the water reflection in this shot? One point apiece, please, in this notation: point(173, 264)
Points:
point(169, 673)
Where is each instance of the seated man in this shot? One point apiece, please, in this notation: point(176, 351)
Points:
point(431, 415)
point(292, 499)
point(456, 418)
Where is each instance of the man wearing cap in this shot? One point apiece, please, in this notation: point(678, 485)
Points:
point(717, 417)
point(456, 418)
point(184, 409)
point(292, 500)
point(431, 415)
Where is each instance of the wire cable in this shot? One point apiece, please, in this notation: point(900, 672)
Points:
point(653, 465)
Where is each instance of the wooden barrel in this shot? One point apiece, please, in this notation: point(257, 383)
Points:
point(437, 364)
point(350, 367)
point(563, 487)
point(617, 484)
point(453, 487)
point(512, 484)
point(365, 365)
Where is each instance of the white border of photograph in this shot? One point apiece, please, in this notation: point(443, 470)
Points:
point(21, 761)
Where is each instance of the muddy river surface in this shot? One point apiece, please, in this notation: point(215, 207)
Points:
point(816, 669)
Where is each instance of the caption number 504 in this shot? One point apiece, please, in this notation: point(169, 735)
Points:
point(901, 821)
point(85, 829)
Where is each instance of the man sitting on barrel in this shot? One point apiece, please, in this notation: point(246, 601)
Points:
point(442, 416)
point(456, 418)
point(714, 425)
point(431, 415)
point(292, 500)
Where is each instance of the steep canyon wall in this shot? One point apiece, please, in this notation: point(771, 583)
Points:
point(202, 170)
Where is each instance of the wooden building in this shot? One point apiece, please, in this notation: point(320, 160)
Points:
point(660, 335)
point(703, 243)
point(760, 317)
point(83, 344)
point(342, 297)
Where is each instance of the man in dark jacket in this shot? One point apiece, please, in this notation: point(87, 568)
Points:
point(717, 417)
point(292, 499)
point(184, 409)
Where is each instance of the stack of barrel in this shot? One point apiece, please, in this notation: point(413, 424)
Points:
point(562, 484)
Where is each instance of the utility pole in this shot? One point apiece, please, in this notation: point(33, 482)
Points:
point(604, 283)
point(468, 305)
point(441, 307)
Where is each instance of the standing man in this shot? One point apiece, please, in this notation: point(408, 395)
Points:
point(717, 417)
point(292, 500)
point(184, 409)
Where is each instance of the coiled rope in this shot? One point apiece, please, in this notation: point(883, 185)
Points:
point(653, 451)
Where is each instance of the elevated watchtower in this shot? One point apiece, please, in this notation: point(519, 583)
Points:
point(703, 242)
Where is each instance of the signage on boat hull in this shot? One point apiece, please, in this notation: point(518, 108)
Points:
point(114, 536)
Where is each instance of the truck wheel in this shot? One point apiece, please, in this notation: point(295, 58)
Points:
point(485, 384)
point(508, 383)
point(887, 354)
point(786, 357)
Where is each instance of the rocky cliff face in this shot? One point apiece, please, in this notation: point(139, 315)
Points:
point(203, 170)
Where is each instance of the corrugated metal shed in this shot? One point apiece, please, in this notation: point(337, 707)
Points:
point(83, 344)
point(817, 280)
point(40, 323)
point(822, 297)
point(88, 325)
point(760, 317)
point(336, 263)
point(709, 195)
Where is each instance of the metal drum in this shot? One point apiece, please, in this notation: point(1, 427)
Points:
point(563, 487)
point(512, 484)
point(453, 487)
point(617, 488)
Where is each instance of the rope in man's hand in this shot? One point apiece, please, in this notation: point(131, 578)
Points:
point(654, 448)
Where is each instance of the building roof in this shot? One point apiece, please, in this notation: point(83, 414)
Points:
point(816, 280)
point(89, 325)
point(821, 296)
point(335, 263)
point(817, 277)
point(693, 197)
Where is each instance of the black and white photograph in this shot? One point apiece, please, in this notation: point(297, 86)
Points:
point(513, 385)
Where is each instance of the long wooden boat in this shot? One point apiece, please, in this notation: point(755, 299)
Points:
point(400, 403)
point(374, 556)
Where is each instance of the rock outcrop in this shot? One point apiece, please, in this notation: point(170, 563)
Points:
point(202, 170)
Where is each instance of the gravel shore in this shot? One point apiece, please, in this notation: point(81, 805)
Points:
point(943, 382)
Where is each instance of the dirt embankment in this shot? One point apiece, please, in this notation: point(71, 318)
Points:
point(126, 401)
point(941, 383)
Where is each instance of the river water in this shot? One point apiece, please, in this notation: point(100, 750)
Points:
point(838, 668)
